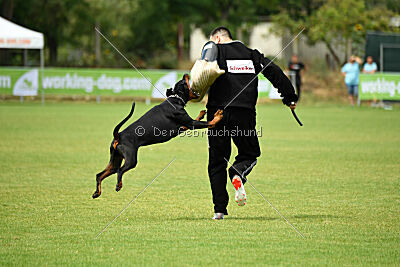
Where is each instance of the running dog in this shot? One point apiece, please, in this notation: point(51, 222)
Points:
point(160, 124)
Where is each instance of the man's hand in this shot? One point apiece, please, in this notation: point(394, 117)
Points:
point(292, 105)
point(217, 117)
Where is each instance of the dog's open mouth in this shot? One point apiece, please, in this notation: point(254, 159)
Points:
point(193, 93)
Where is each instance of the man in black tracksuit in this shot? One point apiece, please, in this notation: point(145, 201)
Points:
point(296, 68)
point(241, 64)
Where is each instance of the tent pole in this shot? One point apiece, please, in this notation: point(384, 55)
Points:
point(25, 57)
point(41, 74)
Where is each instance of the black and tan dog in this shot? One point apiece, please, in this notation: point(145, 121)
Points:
point(160, 124)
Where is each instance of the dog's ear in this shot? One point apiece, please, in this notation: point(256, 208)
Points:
point(169, 92)
point(186, 79)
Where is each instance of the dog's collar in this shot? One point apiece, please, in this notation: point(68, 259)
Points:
point(177, 96)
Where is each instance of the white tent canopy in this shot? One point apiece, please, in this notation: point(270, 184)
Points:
point(15, 36)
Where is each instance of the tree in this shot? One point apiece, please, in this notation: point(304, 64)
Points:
point(7, 9)
point(152, 28)
point(346, 23)
point(338, 24)
point(110, 17)
point(234, 14)
point(52, 17)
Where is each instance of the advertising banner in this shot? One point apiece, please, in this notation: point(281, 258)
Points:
point(265, 88)
point(123, 82)
point(109, 82)
point(379, 86)
point(20, 82)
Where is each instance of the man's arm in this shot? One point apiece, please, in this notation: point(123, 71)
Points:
point(279, 80)
point(375, 67)
point(343, 70)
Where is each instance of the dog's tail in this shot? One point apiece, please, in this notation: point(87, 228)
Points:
point(116, 129)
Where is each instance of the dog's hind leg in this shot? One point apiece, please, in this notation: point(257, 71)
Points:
point(111, 168)
point(99, 178)
point(130, 163)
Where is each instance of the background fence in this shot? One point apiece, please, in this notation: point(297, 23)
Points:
point(121, 82)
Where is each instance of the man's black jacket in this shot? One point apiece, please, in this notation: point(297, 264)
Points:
point(241, 64)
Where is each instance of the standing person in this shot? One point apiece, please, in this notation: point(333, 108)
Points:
point(229, 92)
point(370, 67)
point(351, 72)
point(295, 67)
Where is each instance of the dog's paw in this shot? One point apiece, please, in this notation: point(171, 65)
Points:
point(96, 194)
point(202, 114)
point(118, 186)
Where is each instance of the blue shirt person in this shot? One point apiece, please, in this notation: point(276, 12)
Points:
point(351, 72)
point(370, 66)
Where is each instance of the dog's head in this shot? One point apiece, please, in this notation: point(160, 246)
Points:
point(182, 89)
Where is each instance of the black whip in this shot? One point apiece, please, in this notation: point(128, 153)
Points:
point(295, 116)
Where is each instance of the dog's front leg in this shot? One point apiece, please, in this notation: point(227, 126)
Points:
point(201, 115)
point(199, 118)
point(194, 124)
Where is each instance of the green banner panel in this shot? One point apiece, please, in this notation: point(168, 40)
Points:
point(109, 82)
point(19, 81)
point(75, 81)
point(379, 86)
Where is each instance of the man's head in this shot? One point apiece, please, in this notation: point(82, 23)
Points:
point(220, 35)
point(182, 89)
point(295, 59)
point(370, 60)
point(352, 59)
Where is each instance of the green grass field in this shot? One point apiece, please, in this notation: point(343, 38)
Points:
point(336, 179)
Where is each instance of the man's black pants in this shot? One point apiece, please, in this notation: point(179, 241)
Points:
point(238, 124)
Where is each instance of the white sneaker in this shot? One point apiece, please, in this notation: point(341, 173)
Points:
point(240, 194)
point(218, 216)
